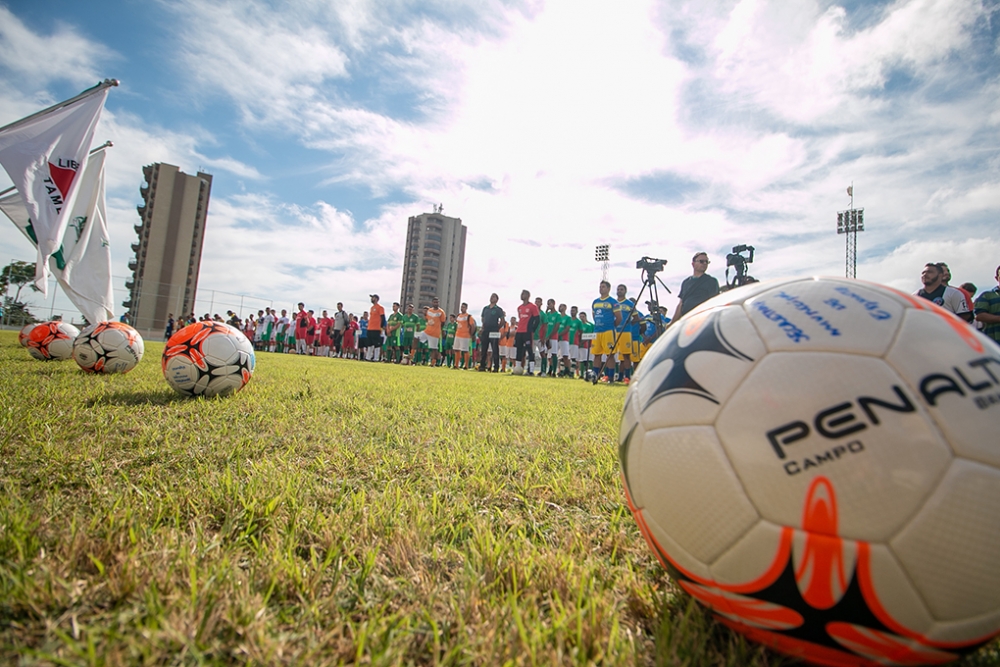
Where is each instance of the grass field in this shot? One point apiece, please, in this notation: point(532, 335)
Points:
point(333, 512)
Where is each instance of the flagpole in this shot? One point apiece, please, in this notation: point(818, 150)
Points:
point(107, 83)
point(106, 144)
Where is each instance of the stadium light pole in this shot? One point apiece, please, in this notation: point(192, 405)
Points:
point(602, 254)
point(849, 223)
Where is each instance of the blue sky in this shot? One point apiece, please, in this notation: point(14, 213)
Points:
point(548, 126)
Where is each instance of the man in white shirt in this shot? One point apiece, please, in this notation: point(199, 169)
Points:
point(937, 291)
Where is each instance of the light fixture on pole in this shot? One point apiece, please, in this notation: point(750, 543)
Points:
point(850, 222)
point(602, 254)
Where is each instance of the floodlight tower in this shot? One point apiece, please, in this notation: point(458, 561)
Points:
point(602, 254)
point(849, 223)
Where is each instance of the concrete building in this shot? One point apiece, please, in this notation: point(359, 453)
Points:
point(167, 258)
point(434, 261)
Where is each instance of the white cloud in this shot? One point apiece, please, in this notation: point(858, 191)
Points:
point(316, 254)
point(64, 55)
point(801, 63)
point(528, 122)
point(269, 62)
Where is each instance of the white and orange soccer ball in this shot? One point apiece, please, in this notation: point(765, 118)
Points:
point(208, 359)
point(818, 461)
point(108, 347)
point(52, 341)
point(22, 335)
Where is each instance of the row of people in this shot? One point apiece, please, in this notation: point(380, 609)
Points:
point(543, 337)
point(983, 311)
point(552, 341)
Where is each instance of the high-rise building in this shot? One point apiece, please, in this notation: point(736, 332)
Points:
point(167, 258)
point(434, 261)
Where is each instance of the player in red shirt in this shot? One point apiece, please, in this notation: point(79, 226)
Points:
point(527, 324)
point(302, 324)
point(325, 325)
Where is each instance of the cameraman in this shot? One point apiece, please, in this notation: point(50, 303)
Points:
point(696, 289)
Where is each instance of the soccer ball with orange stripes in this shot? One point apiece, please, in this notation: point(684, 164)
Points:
point(24, 333)
point(208, 359)
point(51, 341)
point(108, 347)
point(817, 461)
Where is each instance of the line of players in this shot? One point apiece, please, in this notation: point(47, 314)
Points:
point(556, 341)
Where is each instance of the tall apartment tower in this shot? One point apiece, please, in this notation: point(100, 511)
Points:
point(434, 261)
point(167, 258)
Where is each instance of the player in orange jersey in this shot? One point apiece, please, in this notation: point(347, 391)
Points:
point(435, 318)
point(464, 332)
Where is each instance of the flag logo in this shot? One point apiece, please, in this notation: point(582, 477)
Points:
point(63, 176)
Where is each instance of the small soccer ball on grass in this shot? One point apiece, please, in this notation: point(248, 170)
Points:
point(108, 347)
point(22, 335)
point(208, 359)
point(52, 341)
point(818, 462)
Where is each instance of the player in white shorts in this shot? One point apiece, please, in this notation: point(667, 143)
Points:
point(258, 332)
point(511, 348)
point(267, 338)
point(585, 360)
point(540, 344)
point(281, 331)
point(574, 335)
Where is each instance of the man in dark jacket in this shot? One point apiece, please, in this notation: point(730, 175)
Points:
point(493, 318)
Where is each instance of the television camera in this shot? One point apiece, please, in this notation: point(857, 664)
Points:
point(739, 263)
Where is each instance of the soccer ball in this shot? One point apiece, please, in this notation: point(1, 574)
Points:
point(22, 336)
point(818, 462)
point(52, 341)
point(108, 347)
point(208, 359)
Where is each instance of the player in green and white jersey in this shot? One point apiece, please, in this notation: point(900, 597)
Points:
point(552, 323)
point(539, 339)
point(282, 326)
point(394, 331)
point(585, 359)
point(561, 344)
point(407, 338)
point(423, 350)
point(448, 341)
point(573, 328)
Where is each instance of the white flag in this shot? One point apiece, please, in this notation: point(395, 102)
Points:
point(82, 264)
point(44, 154)
point(850, 190)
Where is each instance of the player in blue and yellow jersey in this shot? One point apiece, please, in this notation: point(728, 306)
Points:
point(623, 348)
point(606, 320)
point(635, 329)
point(653, 326)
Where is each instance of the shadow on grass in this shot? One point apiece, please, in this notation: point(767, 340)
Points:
point(160, 397)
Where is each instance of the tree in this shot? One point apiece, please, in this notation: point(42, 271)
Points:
point(17, 273)
point(20, 274)
point(16, 313)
